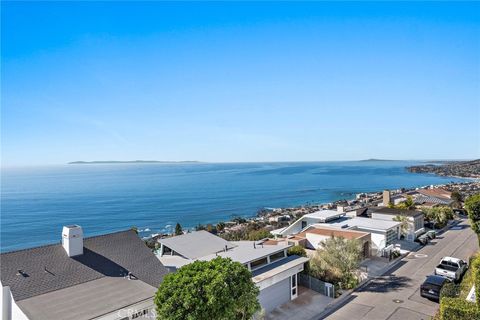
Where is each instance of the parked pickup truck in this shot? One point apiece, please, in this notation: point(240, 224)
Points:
point(451, 268)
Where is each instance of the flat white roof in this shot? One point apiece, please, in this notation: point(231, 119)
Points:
point(240, 251)
point(275, 268)
point(244, 251)
point(196, 244)
point(169, 261)
point(365, 223)
point(324, 215)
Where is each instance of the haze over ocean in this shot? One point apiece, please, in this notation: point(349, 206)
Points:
point(38, 201)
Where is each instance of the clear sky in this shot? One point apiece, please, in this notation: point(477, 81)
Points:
point(239, 81)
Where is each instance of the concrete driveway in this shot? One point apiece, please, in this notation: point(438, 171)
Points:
point(395, 295)
point(308, 304)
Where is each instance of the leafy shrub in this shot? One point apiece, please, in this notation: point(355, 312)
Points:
point(216, 289)
point(297, 250)
point(256, 235)
point(450, 290)
point(475, 266)
point(472, 204)
point(453, 308)
point(438, 215)
point(336, 261)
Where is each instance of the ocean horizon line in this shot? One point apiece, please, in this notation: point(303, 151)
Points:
point(200, 162)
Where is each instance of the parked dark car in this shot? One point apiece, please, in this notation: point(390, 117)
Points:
point(432, 286)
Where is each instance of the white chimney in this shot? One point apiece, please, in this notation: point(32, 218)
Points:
point(72, 240)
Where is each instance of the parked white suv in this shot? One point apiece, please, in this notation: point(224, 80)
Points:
point(451, 268)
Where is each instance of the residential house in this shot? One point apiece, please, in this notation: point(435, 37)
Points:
point(107, 277)
point(436, 192)
point(415, 220)
point(273, 271)
point(433, 197)
point(312, 237)
point(322, 216)
point(382, 232)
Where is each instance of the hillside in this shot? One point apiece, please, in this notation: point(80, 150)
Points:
point(467, 169)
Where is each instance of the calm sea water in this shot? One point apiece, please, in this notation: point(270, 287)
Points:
point(37, 202)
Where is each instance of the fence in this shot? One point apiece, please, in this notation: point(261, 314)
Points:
point(316, 285)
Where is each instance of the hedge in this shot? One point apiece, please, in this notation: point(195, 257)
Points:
point(459, 308)
point(475, 265)
point(454, 308)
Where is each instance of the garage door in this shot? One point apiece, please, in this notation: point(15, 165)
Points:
point(275, 295)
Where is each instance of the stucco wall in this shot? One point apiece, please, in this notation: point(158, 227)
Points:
point(273, 296)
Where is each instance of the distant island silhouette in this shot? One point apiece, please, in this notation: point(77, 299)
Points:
point(373, 159)
point(131, 161)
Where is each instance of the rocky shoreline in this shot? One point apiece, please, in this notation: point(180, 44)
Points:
point(463, 169)
point(268, 219)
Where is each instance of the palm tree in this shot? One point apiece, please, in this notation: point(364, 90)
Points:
point(439, 215)
point(178, 229)
point(408, 204)
point(404, 227)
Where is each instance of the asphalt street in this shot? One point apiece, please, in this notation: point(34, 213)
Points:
point(396, 294)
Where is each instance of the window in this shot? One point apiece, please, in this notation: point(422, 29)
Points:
point(304, 224)
point(293, 291)
point(418, 223)
point(390, 237)
point(277, 256)
point(258, 263)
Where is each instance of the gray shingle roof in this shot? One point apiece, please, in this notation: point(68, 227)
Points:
point(48, 268)
point(424, 199)
point(89, 300)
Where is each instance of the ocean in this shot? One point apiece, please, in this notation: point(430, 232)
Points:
point(37, 202)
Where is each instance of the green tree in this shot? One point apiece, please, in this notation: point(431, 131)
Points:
point(336, 261)
point(211, 228)
point(404, 226)
point(178, 229)
point(472, 204)
point(438, 215)
point(457, 197)
point(408, 204)
point(296, 251)
point(220, 226)
point(200, 227)
point(260, 234)
point(215, 289)
point(135, 229)
point(239, 220)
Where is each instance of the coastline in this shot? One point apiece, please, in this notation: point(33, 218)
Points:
point(374, 197)
point(37, 203)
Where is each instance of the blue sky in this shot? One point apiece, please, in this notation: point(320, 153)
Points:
point(239, 81)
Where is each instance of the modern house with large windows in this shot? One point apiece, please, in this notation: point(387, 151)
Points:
point(322, 216)
point(273, 271)
point(107, 277)
point(415, 220)
point(312, 237)
point(383, 232)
